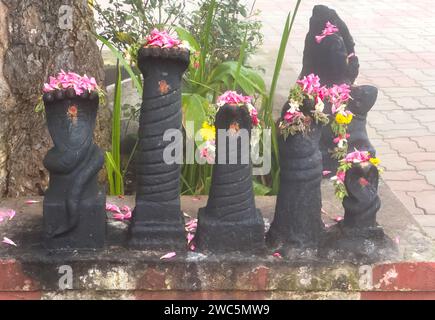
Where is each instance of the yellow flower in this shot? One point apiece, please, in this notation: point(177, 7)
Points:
point(208, 132)
point(344, 119)
point(375, 161)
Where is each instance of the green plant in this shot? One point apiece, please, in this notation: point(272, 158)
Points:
point(113, 157)
point(268, 100)
point(227, 31)
point(127, 22)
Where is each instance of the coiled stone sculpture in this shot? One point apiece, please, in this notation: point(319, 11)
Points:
point(74, 206)
point(157, 221)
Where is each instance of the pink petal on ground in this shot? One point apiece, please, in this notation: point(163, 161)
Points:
point(327, 225)
point(196, 198)
point(339, 218)
point(9, 241)
point(397, 240)
point(277, 255)
point(119, 216)
point(170, 255)
point(126, 210)
point(113, 208)
point(32, 201)
point(8, 213)
point(192, 247)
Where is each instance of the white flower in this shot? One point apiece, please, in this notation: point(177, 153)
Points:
point(341, 143)
point(185, 45)
point(294, 106)
point(320, 106)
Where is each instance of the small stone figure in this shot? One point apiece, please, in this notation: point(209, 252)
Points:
point(363, 99)
point(230, 221)
point(157, 221)
point(298, 221)
point(362, 202)
point(74, 206)
point(359, 235)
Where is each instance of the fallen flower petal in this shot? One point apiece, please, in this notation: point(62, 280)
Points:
point(190, 237)
point(168, 256)
point(32, 201)
point(119, 216)
point(326, 172)
point(186, 215)
point(9, 241)
point(277, 255)
point(8, 213)
point(113, 208)
point(339, 218)
point(192, 247)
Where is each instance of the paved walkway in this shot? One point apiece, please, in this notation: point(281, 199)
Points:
point(395, 42)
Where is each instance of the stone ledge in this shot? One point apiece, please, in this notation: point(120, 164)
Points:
point(29, 271)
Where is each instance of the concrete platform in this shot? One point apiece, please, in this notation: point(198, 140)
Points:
point(30, 272)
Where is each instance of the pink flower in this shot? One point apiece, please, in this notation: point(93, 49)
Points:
point(339, 95)
point(208, 151)
point(162, 39)
point(310, 84)
point(289, 116)
point(233, 98)
point(330, 29)
point(254, 117)
point(66, 80)
point(341, 176)
point(357, 157)
point(326, 172)
point(323, 93)
point(341, 138)
point(112, 208)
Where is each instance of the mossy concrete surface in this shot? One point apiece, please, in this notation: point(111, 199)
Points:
point(30, 272)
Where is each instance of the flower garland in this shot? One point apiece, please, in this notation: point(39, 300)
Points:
point(70, 80)
point(355, 158)
point(207, 150)
point(296, 120)
point(339, 96)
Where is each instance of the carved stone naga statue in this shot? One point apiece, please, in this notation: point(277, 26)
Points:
point(74, 206)
point(335, 62)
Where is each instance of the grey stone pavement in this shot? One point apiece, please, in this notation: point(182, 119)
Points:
point(395, 42)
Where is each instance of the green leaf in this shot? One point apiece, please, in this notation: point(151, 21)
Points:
point(185, 35)
point(260, 189)
point(195, 110)
point(135, 78)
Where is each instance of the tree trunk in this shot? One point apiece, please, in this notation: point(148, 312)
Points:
point(38, 39)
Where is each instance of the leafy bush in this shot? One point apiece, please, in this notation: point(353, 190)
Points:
point(231, 20)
